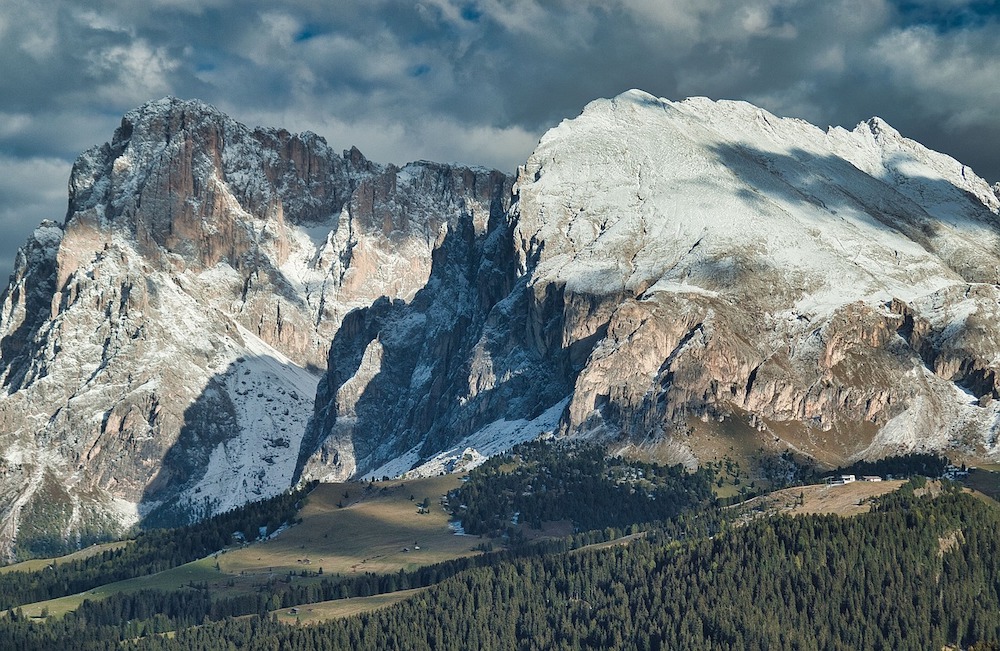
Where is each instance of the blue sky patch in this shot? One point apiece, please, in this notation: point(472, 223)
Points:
point(471, 13)
point(307, 34)
point(974, 13)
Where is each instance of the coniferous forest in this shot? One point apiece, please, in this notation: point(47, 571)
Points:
point(540, 482)
point(920, 571)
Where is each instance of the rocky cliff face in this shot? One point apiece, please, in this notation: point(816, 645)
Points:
point(831, 289)
point(161, 349)
point(226, 310)
point(692, 276)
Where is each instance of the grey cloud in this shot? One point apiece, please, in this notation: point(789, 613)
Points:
point(31, 190)
point(478, 81)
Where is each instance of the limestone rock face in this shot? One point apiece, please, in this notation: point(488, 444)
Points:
point(406, 380)
point(161, 348)
point(687, 274)
point(746, 267)
point(227, 310)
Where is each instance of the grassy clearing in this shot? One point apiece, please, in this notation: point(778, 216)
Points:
point(728, 489)
point(200, 571)
point(327, 610)
point(846, 500)
point(367, 533)
point(36, 564)
point(617, 542)
point(985, 481)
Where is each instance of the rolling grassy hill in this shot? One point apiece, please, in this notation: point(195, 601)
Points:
point(357, 529)
point(345, 528)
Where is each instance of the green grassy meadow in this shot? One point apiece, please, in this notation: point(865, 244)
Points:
point(327, 610)
point(36, 564)
point(345, 528)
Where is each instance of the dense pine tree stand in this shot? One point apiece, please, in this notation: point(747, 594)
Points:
point(920, 571)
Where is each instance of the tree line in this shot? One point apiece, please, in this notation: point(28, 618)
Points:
point(541, 482)
point(151, 551)
point(916, 573)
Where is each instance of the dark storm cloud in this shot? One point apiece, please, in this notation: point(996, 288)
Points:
point(476, 81)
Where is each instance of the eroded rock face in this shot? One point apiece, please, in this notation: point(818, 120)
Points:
point(162, 347)
point(816, 281)
point(416, 376)
point(768, 271)
point(683, 271)
point(227, 309)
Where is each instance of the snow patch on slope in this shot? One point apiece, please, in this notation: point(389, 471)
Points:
point(273, 398)
point(493, 439)
point(641, 190)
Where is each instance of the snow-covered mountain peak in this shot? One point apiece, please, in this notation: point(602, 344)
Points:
point(880, 129)
point(733, 219)
point(695, 276)
point(687, 263)
point(640, 192)
point(167, 340)
point(169, 107)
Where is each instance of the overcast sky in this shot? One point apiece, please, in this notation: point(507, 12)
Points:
point(476, 81)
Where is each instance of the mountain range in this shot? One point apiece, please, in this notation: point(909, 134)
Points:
point(228, 310)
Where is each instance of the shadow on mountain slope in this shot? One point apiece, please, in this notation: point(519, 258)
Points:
point(429, 372)
point(39, 286)
point(473, 347)
point(424, 374)
point(920, 208)
point(239, 442)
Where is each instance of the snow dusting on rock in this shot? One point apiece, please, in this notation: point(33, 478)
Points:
point(227, 310)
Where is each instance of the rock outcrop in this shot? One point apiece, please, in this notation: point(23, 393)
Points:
point(689, 274)
point(161, 349)
point(226, 310)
